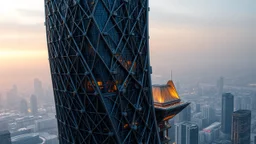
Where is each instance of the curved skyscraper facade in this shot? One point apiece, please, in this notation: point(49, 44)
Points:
point(99, 60)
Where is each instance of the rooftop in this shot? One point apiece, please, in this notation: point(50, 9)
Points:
point(24, 137)
point(241, 113)
point(4, 132)
point(212, 126)
point(188, 123)
point(165, 93)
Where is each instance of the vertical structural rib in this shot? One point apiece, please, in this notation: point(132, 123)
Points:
point(99, 60)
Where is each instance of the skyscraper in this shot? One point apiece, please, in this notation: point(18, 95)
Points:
point(198, 108)
point(99, 59)
point(184, 115)
point(227, 111)
point(208, 113)
point(186, 133)
point(211, 132)
point(5, 137)
point(246, 103)
point(238, 103)
point(171, 131)
point(33, 105)
point(23, 106)
point(241, 127)
point(253, 101)
point(38, 89)
point(220, 86)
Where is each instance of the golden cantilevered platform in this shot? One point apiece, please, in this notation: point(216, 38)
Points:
point(167, 104)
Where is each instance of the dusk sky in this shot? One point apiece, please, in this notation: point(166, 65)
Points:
point(186, 36)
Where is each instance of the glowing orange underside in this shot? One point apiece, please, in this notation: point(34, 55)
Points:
point(166, 93)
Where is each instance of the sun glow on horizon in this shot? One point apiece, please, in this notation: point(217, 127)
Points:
point(6, 54)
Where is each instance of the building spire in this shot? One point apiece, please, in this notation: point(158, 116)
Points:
point(171, 74)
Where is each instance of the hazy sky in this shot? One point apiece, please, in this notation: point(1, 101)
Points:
point(191, 37)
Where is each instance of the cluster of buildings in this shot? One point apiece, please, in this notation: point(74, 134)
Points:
point(99, 59)
point(14, 99)
point(29, 123)
point(31, 129)
point(217, 120)
point(202, 122)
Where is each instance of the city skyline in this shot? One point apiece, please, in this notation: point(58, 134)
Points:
point(221, 36)
point(104, 72)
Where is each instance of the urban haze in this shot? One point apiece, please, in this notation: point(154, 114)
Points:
point(199, 85)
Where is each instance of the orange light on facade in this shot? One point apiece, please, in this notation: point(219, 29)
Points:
point(126, 126)
point(129, 63)
point(99, 83)
point(115, 88)
point(89, 86)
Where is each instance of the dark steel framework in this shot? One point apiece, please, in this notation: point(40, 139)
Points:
point(99, 60)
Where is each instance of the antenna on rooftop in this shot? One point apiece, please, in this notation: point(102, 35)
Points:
point(171, 74)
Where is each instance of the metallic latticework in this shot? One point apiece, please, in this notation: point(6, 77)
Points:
point(99, 60)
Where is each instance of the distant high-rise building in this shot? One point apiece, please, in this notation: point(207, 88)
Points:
point(200, 122)
point(208, 113)
point(238, 103)
point(246, 103)
point(38, 89)
point(171, 131)
point(33, 105)
point(186, 133)
point(198, 108)
point(5, 137)
point(184, 115)
point(220, 86)
point(49, 95)
point(212, 132)
point(241, 127)
point(23, 106)
point(227, 111)
point(201, 136)
point(253, 102)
